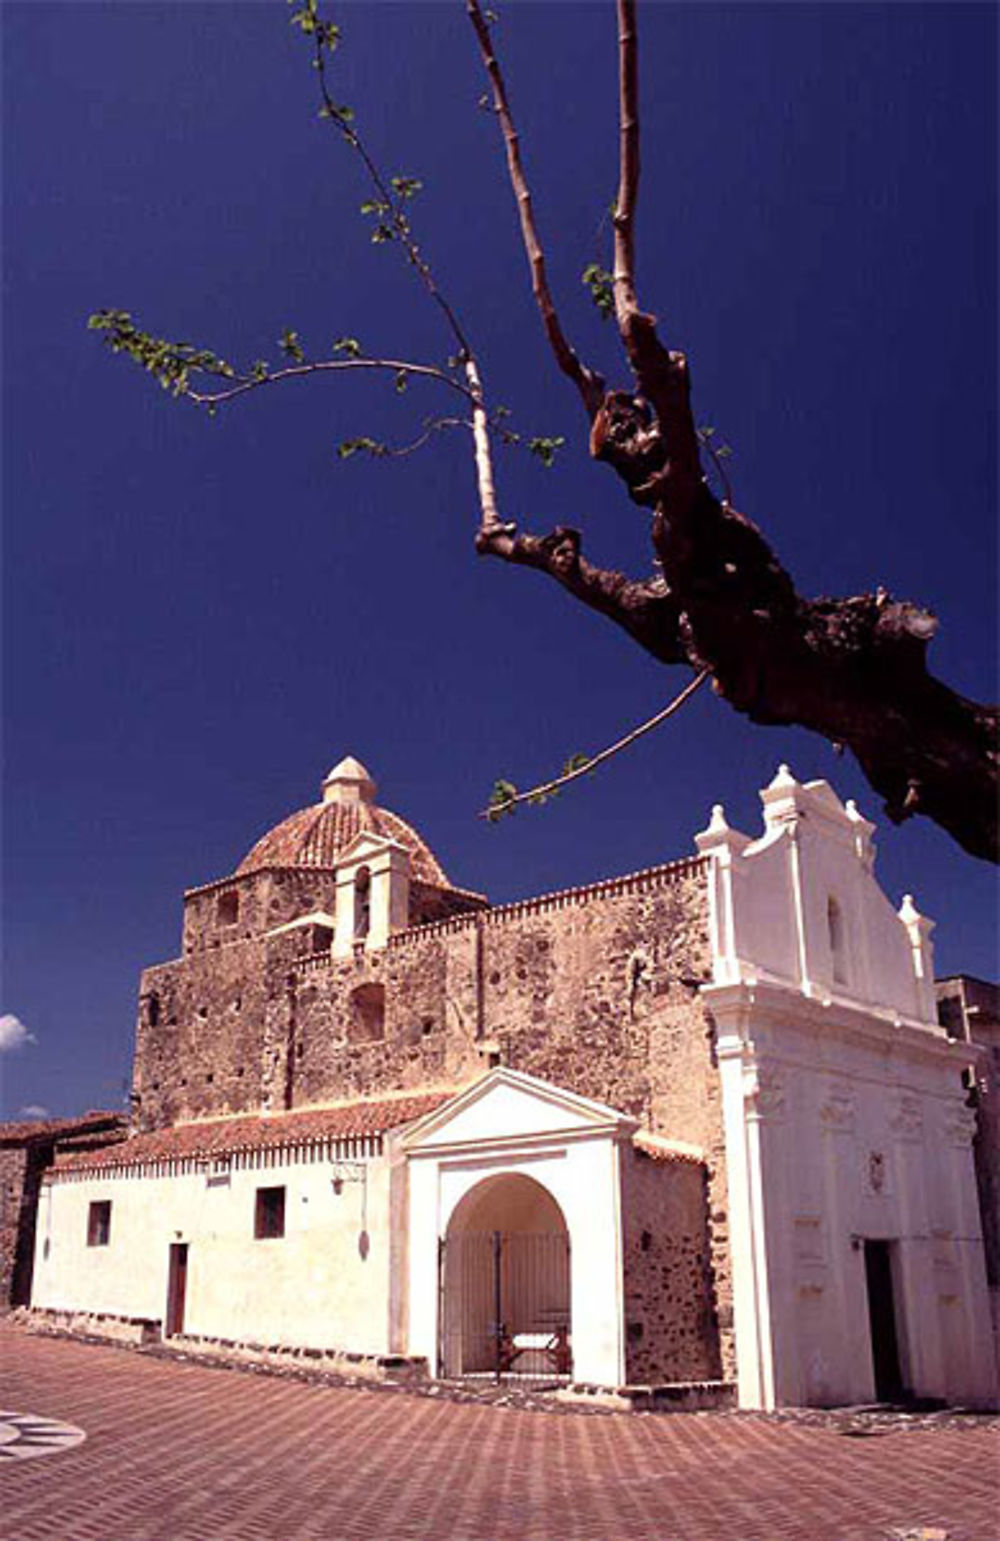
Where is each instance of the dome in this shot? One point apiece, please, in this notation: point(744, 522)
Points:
point(316, 836)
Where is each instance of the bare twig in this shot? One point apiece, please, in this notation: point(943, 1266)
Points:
point(400, 451)
point(628, 184)
point(589, 384)
point(539, 793)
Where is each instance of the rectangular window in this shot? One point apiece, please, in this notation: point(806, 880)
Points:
point(269, 1217)
point(99, 1223)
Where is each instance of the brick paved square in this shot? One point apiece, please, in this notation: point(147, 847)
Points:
point(177, 1451)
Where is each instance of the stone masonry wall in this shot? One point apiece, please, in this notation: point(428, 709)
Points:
point(670, 1328)
point(199, 1036)
point(13, 1171)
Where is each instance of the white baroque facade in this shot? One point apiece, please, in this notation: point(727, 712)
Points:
point(857, 1248)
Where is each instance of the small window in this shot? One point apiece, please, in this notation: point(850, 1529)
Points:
point(153, 1009)
point(269, 1218)
point(99, 1223)
point(228, 909)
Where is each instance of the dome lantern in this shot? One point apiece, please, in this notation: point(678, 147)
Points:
point(349, 782)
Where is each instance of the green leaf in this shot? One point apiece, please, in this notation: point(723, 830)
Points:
point(171, 363)
point(546, 449)
point(400, 382)
point(348, 345)
point(602, 291)
point(406, 187)
point(351, 447)
point(291, 346)
point(575, 762)
point(501, 800)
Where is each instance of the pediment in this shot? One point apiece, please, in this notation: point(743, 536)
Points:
point(367, 845)
point(508, 1105)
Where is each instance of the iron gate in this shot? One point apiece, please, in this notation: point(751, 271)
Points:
point(504, 1308)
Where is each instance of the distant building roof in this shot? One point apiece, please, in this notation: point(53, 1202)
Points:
point(94, 1122)
point(966, 1004)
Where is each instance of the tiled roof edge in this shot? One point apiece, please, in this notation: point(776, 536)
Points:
point(125, 1154)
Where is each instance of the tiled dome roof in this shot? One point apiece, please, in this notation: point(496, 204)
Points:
point(315, 836)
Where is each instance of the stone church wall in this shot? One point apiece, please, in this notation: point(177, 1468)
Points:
point(595, 990)
point(670, 1326)
point(200, 1036)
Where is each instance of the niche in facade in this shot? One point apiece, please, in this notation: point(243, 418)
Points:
point(367, 1020)
point(362, 904)
point(838, 941)
point(227, 909)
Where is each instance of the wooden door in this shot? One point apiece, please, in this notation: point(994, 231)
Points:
point(176, 1288)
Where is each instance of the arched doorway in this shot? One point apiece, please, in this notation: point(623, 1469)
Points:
point(505, 1284)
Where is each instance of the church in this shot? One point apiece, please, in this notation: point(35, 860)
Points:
point(693, 1127)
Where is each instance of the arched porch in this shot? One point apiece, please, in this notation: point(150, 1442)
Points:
point(505, 1307)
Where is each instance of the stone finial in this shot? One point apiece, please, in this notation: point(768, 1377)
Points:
point(719, 836)
point(863, 830)
point(782, 780)
point(911, 916)
point(349, 782)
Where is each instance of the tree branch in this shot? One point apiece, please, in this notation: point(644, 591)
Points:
point(589, 384)
point(590, 763)
point(628, 184)
point(489, 519)
point(647, 610)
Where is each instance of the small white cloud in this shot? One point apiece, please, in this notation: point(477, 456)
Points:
point(32, 1111)
point(13, 1033)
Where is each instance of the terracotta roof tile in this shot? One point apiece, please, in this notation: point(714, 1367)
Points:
point(315, 837)
point(658, 1148)
point(258, 1131)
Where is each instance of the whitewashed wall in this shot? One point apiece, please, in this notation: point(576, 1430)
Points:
point(313, 1287)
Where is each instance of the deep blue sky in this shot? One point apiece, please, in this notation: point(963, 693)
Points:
point(202, 617)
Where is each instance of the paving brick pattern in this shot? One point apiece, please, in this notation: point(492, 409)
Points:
point(182, 1452)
